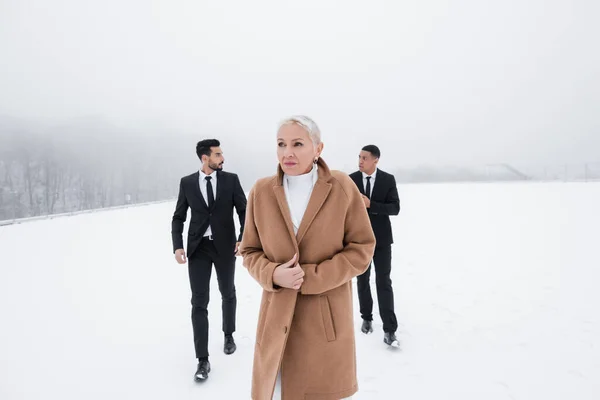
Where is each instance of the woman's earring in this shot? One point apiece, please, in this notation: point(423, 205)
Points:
point(316, 160)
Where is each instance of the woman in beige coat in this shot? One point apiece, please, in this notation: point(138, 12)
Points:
point(307, 234)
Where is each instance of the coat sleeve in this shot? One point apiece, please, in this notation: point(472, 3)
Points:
point(352, 260)
point(251, 249)
point(391, 204)
point(179, 217)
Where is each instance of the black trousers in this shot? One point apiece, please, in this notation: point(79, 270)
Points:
point(385, 294)
point(200, 267)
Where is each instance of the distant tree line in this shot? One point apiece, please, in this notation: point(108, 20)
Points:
point(45, 173)
point(92, 165)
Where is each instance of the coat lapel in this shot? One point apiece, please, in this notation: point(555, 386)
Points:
point(317, 198)
point(197, 192)
point(285, 211)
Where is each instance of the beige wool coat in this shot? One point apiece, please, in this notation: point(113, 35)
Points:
point(309, 333)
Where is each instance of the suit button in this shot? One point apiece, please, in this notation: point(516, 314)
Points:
point(285, 329)
point(210, 215)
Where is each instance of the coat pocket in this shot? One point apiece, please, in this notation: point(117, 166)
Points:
point(262, 319)
point(327, 318)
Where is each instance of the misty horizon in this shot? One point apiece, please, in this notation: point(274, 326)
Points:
point(102, 104)
point(431, 83)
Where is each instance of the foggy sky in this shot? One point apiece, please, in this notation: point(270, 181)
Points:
point(429, 81)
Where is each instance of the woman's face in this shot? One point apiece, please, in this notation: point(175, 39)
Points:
point(295, 149)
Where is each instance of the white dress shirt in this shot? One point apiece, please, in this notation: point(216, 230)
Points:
point(204, 191)
point(373, 175)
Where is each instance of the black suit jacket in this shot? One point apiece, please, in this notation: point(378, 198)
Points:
point(220, 217)
point(384, 202)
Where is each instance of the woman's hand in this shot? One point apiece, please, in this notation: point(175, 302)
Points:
point(289, 275)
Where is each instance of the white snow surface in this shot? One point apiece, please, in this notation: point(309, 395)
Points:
point(496, 292)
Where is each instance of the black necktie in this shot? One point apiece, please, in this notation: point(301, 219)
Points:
point(209, 192)
point(368, 189)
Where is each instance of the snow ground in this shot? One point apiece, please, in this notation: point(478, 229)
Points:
point(495, 290)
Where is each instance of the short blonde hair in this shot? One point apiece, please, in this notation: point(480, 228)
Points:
point(308, 124)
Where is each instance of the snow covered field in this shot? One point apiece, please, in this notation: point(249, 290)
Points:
point(496, 294)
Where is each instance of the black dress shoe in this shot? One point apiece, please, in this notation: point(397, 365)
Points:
point(390, 339)
point(202, 371)
point(367, 326)
point(229, 347)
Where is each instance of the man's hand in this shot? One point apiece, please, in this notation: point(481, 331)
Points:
point(366, 201)
point(289, 275)
point(237, 249)
point(180, 256)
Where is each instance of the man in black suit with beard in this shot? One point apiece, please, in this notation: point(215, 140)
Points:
point(380, 196)
point(211, 194)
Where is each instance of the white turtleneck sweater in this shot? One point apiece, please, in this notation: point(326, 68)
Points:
point(297, 192)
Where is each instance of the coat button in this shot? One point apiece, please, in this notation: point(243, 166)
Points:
point(285, 329)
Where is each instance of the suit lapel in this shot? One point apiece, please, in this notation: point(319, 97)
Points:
point(220, 185)
point(357, 178)
point(197, 192)
point(378, 191)
point(317, 198)
point(285, 211)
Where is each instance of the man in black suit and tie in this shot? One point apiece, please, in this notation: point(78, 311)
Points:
point(211, 194)
point(380, 195)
